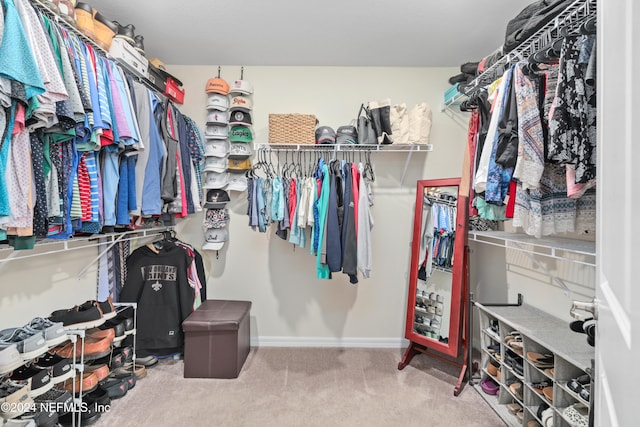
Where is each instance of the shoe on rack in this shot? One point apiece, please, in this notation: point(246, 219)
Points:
point(106, 307)
point(129, 377)
point(94, 348)
point(140, 371)
point(126, 32)
point(17, 422)
point(115, 387)
point(98, 399)
point(67, 11)
point(126, 352)
point(61, 400)
point(86, 316)
point(60, 367)
point(9, 359)
point(87, 417)
point(105, 30)
point(15, 398)
point(53, 332)
point(84, 20)
point(38, 379)
point(101, 370)
point(30, 344)
point(139, 44)
point(41, 418)
point(108, 334)
point(88, 381)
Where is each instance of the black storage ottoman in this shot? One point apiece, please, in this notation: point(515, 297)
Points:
point(216, 339)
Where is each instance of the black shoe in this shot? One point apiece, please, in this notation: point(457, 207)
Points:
point(117, 326)
point(103, 20)
point(126, 352)
point(139, 44)
point(126, 32)
point(61, 368)
point(99, 399)
point(40, 378)
point(79, 317)
point(115, 387)
point(60, 400)
point(129, 377)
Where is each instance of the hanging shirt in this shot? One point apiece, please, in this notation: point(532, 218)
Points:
point(365, 225)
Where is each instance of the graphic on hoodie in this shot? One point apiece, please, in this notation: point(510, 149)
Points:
point(159, 274)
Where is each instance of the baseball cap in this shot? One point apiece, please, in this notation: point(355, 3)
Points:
point(241, 103)
point(240, 118)
point(216, 199)
point(217, 85)
point(216, 180)
point(216, 147)
point(215, 101)
point(216, 218)
point(241, 86)
point(216, 132)
point(215, 164)
point(240, 134)
point(218, 118)
point(214, 238)
point(325, 135)
point(347, 135)
point(240, 150)
point(239, 165)
point(237, 181)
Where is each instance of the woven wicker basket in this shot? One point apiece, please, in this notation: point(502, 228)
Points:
point(292, 129)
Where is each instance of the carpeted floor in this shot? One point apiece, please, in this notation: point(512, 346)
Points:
point(306, 387)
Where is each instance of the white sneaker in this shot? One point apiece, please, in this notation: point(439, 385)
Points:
point(9, 359)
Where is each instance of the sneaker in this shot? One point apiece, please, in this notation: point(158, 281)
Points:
point(139, 44)
point(53, 332)
point(126, 32)
point(61, 400)
point(61, 367)
point(79, 317)
point(29, 344)
point(9, 359)
point(17, 397)
point(39, 379)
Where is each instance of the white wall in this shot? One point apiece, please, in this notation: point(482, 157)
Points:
point(289, 304)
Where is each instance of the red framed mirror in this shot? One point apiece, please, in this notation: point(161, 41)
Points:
point(436, 303)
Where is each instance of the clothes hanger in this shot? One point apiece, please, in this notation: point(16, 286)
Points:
point(588, 27)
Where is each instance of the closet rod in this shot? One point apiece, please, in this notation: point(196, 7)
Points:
point(45, 9)
point(573, 15)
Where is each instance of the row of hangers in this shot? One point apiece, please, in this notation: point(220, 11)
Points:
point(304, 164)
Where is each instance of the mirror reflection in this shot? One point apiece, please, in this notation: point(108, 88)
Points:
point(434, 284)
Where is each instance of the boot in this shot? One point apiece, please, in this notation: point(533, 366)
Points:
point(126, 32)
point(381, 117)
point(105, 30)
point(84, 20)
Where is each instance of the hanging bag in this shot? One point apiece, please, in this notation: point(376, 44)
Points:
point(366, 134)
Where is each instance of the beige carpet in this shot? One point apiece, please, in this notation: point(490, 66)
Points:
point(306, 387)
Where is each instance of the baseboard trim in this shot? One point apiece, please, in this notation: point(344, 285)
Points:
point(348, 342)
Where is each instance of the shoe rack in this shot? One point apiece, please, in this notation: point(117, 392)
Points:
point(542, 355)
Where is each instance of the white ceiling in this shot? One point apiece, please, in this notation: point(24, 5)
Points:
point(305, 33)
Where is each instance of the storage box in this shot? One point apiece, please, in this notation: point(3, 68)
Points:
point(156, 78)
point(126, 54)
point(216, 339)
point(292, 128)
